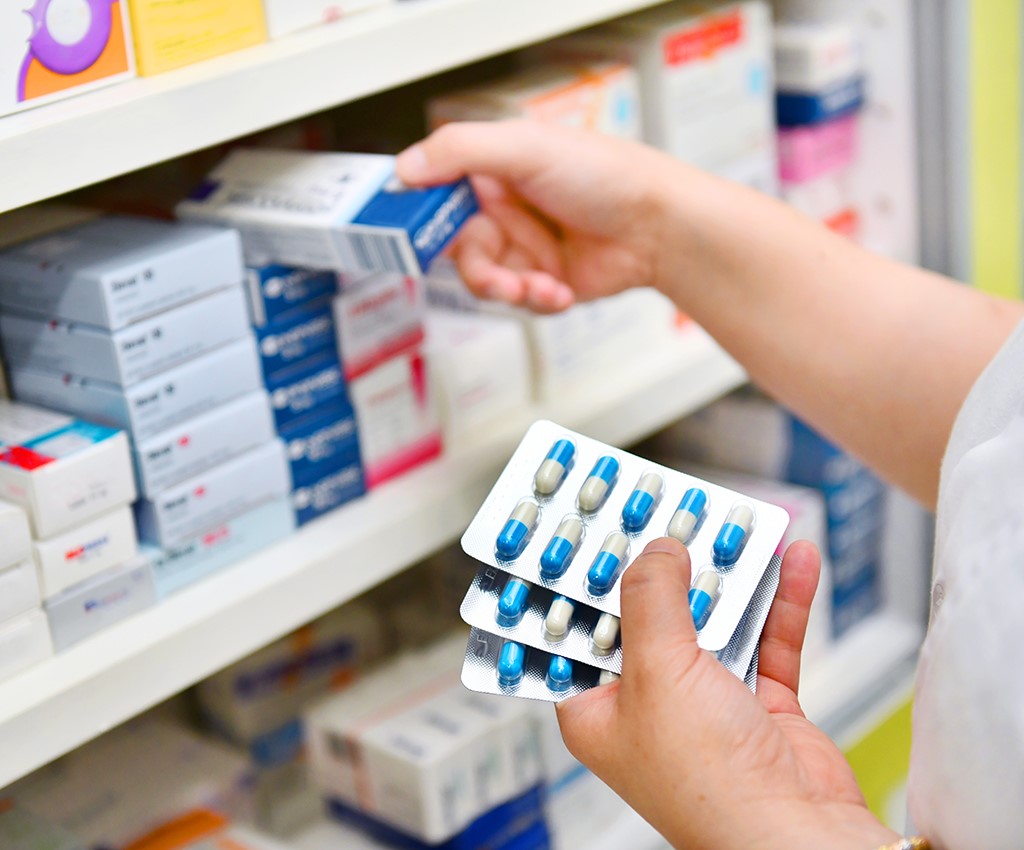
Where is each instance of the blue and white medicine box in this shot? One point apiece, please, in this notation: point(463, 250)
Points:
point(319, 444)
point(798, 109)
point(340, 211)
point(333, 490)
point(275, 292)
point(292, 339)
point(220, 546)
point(317, 385)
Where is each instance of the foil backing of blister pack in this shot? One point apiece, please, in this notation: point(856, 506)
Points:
point(516, 483)
point(740, 655)
point(479, 671)
point(481, 603)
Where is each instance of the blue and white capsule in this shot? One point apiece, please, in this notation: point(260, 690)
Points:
point(559, 677)
point(554, 468)
point(598, 484)
point(511, 664)
point(704, 596)
point(513, 602)
point(518, 529)
point(558, 619)
point(605, 635)
point(560, 550)
point(642, 501)
point(733, 535)
point(606, 567)
point(688, 515)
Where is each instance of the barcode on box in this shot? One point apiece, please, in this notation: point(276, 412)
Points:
point(379, 250)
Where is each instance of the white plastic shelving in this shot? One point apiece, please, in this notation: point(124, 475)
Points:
point(55, 148)
point(136, 664)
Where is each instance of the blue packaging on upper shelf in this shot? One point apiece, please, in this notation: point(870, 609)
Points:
point(317, 384)
point(798, 109)
point(276, 292)
point(333, 490)
point(319, 444)
point(296, 337)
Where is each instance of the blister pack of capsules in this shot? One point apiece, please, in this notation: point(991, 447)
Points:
point(554, 536)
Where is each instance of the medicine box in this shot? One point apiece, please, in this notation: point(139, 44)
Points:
point(49, 51)
point(19, 589)
point(377, 317)
point(115, 270)
point(215, 496)
point(290, 340)
point(316, 386)
point(24, 642)
point(169, 35)
point(15, 536)
point(705, 76)
point(133, 353)
point(336, 211)
point(62, 471)
point(319, 444)
point(396, 413)
point(207, 440)
point(180, 566)
point(79, 553)
point(482, 369)
point(286, 16)
point(432, 756)
point(806, 153)
point(152, 406)
point(333, 490)
point(99, 602)
point(276, 292)
point(811, 56)
point(599, 96)
point(797, 109)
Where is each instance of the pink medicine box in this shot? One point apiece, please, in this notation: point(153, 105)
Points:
point(809, 152)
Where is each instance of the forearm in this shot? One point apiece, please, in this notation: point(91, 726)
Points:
point(877, 355)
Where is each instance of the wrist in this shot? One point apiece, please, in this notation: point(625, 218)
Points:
point(839, 826)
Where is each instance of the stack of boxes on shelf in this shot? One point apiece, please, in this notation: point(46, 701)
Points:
point(291, 313)
point(141, 325)
point(73, 481)
point(820, 81)
point(24, 637)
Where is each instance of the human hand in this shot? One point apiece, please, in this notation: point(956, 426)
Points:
point(566, 214)
point(684, 742)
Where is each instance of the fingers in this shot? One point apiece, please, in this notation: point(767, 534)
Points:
point(504, 149)
point(587, 723)
point(783, 637)
point(657, 629)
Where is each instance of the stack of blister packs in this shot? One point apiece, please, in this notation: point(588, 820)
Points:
point(555, 534)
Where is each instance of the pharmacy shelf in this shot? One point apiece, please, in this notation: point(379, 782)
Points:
point(116, 130)
point(836, 690)
point(113, 676)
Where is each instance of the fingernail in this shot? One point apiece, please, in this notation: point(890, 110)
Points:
point(665, 544)
point(411, 164)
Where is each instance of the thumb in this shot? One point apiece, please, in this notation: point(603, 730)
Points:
point(506, 150)
point(656, 624)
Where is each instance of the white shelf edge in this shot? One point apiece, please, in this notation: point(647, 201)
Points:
point(118, 129)
point(852, 673)
point(73, 697)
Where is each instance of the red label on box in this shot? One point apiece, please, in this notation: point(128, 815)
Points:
point(845, 222)
point(703, 40)
point(25, 458)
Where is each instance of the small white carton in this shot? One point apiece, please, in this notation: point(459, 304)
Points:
point(377, 317)
point(215, 496)
point(79, 553)
point(131, 354)
point(154, 405)
point(24, 642)
point(201, 443)
point(19, 589)
point(286, 16)
point(115, 270)
point(15, 536)
point(62, 471)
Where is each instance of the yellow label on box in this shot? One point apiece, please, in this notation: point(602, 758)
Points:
point(172, 33)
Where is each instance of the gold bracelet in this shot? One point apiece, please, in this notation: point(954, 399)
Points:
point(915, 842)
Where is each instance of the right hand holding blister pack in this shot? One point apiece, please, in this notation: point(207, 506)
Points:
point(554, 537)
